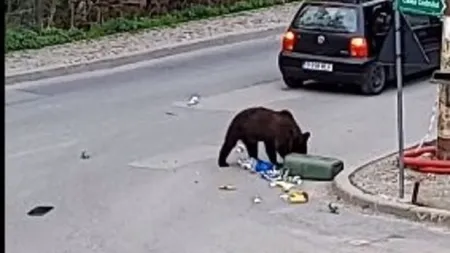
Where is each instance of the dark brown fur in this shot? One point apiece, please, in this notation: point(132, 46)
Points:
point(277, 129)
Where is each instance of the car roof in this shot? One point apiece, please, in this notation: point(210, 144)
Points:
point(349, 2)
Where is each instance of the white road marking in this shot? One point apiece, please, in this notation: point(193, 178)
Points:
point(41, 149)
point(173, 160)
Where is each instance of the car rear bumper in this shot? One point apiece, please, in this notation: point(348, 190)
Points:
point(347, 71)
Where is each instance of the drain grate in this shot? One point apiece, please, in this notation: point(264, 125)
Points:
point(40, 210)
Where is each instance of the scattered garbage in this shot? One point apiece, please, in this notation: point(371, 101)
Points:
point(259, 166)
point(333, 208)
point(84, 155)
point(298, 197)
point(286, 186)
point(246, 163)
point(257, 200)
point(265, 169)
point(193, 100)
point(271, 176)
point(284, 196)
point(294, 179)
point(295, 197)
point(285, 174)
point(227, 187)
point(240, 149)
point(275, 176)
point(171, 114)
point(263, 166)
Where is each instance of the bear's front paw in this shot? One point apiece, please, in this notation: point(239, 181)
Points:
point(223, 164)
point(278, 166)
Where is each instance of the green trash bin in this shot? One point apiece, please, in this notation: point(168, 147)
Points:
point(312, 167)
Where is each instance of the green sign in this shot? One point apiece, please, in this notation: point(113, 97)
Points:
point(425, 7)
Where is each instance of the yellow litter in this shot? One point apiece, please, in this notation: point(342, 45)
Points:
point(298, 197)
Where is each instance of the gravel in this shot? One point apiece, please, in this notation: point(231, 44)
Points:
point(381, 178)
point(122, 44)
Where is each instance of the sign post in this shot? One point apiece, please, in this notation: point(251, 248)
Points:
point(424, 7)
point(399, 74)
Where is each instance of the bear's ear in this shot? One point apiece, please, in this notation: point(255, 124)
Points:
point(306, 136)
point(286, 113)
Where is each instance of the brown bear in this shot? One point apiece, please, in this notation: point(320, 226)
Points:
point(277, 129)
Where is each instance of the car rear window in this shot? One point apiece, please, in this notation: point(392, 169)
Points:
point(327, 18)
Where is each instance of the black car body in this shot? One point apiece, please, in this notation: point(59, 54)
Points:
point(352, 41)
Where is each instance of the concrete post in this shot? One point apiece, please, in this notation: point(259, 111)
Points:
point(443, 129)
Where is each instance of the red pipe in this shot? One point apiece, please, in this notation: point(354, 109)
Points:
point(413, 160)
point(418, 151)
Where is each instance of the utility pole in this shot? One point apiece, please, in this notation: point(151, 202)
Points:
point(399, 74)
point(443, 128)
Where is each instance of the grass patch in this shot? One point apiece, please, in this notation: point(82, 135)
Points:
point(23, 38)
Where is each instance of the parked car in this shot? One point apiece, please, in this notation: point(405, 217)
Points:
point(352, 42)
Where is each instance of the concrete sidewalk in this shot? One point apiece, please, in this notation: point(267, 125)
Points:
point(346, 189)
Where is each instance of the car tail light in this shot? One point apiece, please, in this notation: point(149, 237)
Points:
point(289, 41)
point(358, 47)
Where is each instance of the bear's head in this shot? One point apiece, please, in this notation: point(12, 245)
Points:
point(301, 143)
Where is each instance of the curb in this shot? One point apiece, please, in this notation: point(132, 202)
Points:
point(134, 57)
point(353, 195)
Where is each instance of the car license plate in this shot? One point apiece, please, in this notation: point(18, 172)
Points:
point(319, 66)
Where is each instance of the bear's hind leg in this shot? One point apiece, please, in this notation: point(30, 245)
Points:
point(227, 146)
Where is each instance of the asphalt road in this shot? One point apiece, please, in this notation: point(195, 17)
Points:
point(151, 182)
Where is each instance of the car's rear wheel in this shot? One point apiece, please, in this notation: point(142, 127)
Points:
point(375, 80)
point(292, 82)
